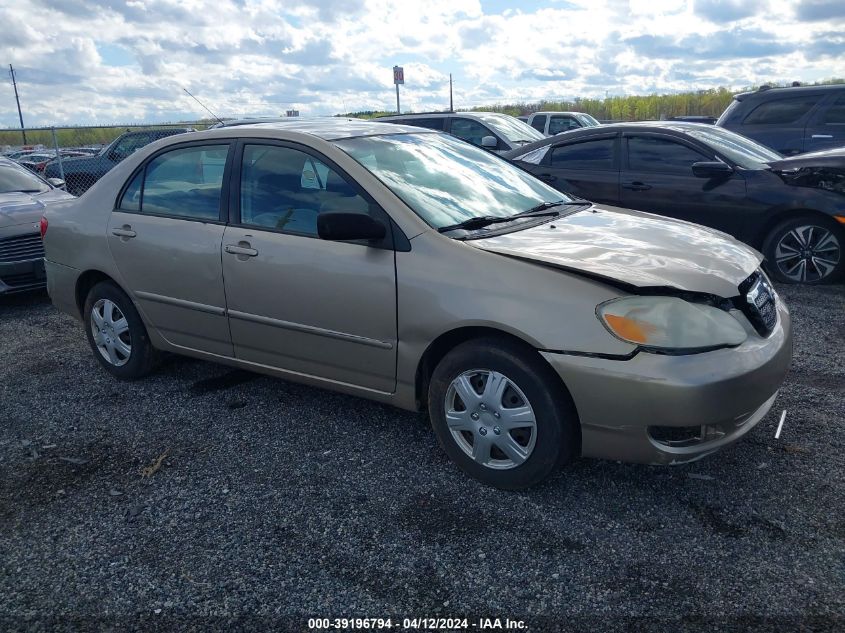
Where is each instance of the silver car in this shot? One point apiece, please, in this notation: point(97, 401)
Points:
point(412, 268)
point(23, 199)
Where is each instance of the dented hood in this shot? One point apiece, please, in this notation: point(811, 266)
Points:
point(637, 249)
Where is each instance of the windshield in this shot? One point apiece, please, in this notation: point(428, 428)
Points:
point(743, 151)
point(511, 129)
point(18, 179)
point(447, 181)
point(587, 120)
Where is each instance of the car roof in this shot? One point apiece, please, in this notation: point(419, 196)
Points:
point(328, 128)
point(557, 112)
point(765, 93)
point(436, 115)
point(679, 127)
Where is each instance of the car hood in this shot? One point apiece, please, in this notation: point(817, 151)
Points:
point(825, 158)
point(634, 248)
point(25, 208)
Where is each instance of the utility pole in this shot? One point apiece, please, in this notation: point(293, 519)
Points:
point(398, 111)
point(17, 98)
point(451, 107)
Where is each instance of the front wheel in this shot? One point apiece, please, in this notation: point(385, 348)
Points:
point(116, 333)
point(805, 250)
point(501, 415)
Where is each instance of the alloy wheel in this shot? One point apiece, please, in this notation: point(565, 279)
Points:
point(807, 253)
point(110, 330)
point(490, 419)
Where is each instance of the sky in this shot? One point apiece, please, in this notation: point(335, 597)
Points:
point(95, 61)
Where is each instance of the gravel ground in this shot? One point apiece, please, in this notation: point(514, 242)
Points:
point(276, 502)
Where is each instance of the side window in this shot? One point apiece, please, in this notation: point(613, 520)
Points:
point(835, 114)
point(558, 124)
point(539, 123)
point(597, 154)
point(470, 130)
point(185, 183)
point(286, 189)
point(781, 112)
point(661, 155)
point(131, 199)
point(432, 123)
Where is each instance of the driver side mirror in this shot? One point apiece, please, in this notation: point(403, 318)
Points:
point(711, 169)
point(489, 142)
point(58, 183)
point(343, 227)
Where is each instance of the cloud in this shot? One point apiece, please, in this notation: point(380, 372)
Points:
point(733, 43)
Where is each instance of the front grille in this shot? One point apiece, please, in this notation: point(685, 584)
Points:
point(21, 248)
point(22, 280)
point(757, 302)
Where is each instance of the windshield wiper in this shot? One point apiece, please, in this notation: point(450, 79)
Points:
point(479, 222)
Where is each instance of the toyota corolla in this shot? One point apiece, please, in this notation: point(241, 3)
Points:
point(412, 268)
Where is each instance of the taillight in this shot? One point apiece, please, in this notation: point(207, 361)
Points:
point(42, 226)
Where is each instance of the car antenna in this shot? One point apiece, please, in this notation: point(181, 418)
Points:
point(219, 120)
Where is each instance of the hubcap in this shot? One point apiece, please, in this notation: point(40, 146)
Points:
point(111, 332)
point(490, 419)
point(807, 253)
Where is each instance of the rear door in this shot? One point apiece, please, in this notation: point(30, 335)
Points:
point(657, 177)
point(827, 126)
point(165, 237)
point(297, 302)
point(587, 167)
point(780, 123)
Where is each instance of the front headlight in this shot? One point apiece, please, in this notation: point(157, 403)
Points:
point(670, 323)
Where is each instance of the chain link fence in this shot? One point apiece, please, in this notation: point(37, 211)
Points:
point(80, 156)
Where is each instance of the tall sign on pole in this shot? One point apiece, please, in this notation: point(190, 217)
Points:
point(398, 78)
point(18, 100)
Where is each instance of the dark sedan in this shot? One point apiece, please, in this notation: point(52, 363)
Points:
point(710, 176)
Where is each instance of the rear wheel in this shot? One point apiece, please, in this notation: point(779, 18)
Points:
point(116, 333)
point(501, 415)
point(805, 250)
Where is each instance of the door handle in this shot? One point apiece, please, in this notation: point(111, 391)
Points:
point(242, 249)
point(547, 177)
point(636, 186)
point(822, 136)
point(125, 232)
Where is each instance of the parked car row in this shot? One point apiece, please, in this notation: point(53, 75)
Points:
point(533, 325)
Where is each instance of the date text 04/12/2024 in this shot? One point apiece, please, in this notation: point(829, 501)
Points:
point(418, 624)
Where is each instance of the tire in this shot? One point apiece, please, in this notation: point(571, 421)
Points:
point(476, 436)
point(805, 249)
point(116, 334)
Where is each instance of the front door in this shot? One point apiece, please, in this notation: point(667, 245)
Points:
point(165, 237)
point(657, 177)
point(826, 129)
point(297, 302)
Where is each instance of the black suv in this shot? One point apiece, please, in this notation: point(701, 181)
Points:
point(81, 173)
point(790, 120)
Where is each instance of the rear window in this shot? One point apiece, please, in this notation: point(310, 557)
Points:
point(781, 112)
point(597, 154)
